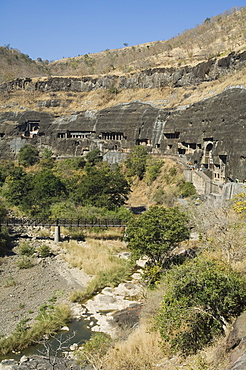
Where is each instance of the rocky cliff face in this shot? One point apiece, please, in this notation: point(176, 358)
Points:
point(209, 134)
point(146, 79)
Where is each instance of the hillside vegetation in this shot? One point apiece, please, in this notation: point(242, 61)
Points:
point(216, 37)
point(202, 294)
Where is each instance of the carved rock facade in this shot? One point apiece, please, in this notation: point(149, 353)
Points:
point(209, 134)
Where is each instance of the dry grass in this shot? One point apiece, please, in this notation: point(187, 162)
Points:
point(94, 255)
point(222, 233)
point(98, 259)
point(100, 99)
point(140, 351)
point(143, 194)
point(114, 233)
point(142, 348)
point(216, 38)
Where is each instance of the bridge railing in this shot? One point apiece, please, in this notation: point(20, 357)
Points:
point(74, 222)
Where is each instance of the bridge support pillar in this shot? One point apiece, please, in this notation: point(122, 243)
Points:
point(57, 236)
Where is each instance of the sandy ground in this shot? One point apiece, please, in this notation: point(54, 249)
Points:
point(24, 291)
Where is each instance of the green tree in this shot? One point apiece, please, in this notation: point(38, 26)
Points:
point(102, 187)
point(136, 163)
point(200, 298)
point(6, 168)
point(156, 232)
point(94, 156)
point(4, 236)
point(28, 155)
point(47, 153)
point(46, 189)
point(18, 188)
point(34, 194)
point(46, 159)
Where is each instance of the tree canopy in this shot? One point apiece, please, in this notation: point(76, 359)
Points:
point(156, 232)
point(68, 181)
point(102, 187)
point(18, 187)
point(46, 189)
point(34, 194)
point(136, 163)
point(94, 156)
point(28, 155)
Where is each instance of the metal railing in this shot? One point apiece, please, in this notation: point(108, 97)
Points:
point(14, 221)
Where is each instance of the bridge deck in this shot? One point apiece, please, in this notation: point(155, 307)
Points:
point(12, 221)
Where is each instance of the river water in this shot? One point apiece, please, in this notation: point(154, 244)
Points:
point(79, 332)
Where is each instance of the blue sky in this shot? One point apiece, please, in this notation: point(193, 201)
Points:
point(53, 29)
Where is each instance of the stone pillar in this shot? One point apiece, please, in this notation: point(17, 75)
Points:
point(57, 234)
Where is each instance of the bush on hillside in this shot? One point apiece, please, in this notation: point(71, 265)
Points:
point(200, 298)
point(153, 170)
point(186, 189)
point(44, 251)
point(136, 163)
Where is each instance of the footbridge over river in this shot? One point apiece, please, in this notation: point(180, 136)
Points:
point(57, 223)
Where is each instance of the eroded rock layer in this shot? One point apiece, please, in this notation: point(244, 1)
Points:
point(146, 79)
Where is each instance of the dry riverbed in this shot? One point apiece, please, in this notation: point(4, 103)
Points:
point(24, 291)
point(52, 280)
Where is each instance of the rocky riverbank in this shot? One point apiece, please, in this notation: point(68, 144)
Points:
point(24, 291)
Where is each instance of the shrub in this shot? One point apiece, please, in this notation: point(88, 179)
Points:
point(113, 90)
point(136, 163)
point(173, 171)
point(153, 170)
point(24, 262)
point(163, 197)
point(28, 155)
point(152, 275)
point(186, 189)
point(76, 296)
point(44, 251)
point(26, 249)
point(93, 349)
point(201, 297)
point(4, 244)
point(239, 203)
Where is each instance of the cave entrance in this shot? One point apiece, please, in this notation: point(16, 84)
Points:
point(208, 156)
point(32, 128)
